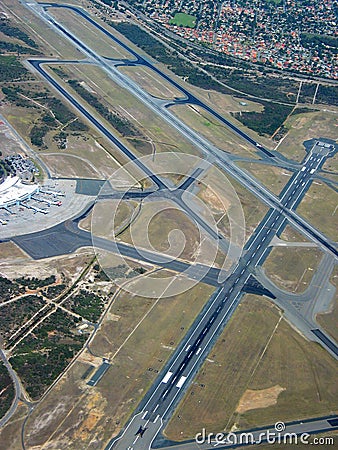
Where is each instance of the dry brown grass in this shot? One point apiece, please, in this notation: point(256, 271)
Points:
point(292, 268)
point(304, 127)
point(151, 82)
point(274, 178)
point(320, 207)
point(258, 350)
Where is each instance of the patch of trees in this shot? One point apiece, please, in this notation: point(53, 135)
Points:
point(121, 124)
point(15, 32)
point(35, 283)
point(40, 359)
point(266, 122)
point(60, 111)
point(50, 121)
point(77, 125)
point(15, 314)
point(13, 95)
point(327, 94)
point(11, 69)
point(6, 390)
point(260, 85)
point(9, 288)
point(54, 291)
point(87, 304)
point(61, 139)
point(9, 47)
point(37, 133)
point(319, 41)
point(168, 57)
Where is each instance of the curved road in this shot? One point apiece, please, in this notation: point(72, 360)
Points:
point(17, 389)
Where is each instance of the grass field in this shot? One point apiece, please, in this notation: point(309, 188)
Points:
point(331, 165)
point(307, 126)
point(169, 231)
point(51, 42)
point(292, 268)
point(319, 207)
point(257, 351)
point(85, 156)
point(151, 82)
point(183, 20)
point(10, 434)
point(82, 152)
point(204, 123)
point(88, 34)
point(11, 252)
point(219, 195)
point(81, 414)
point(291, 235)
point(109, 217)
point(158, 135)
point(274, 178)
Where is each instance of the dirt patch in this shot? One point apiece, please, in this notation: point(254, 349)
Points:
point(113, 317)
point(70, 266)
point(213, 199)
point(48, 417)
point(253, 399)
point(95, 409)
point(86, 357)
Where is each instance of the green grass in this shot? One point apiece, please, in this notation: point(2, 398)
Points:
point(183, 20)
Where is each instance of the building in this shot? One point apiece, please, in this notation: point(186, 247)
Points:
point(13, 191)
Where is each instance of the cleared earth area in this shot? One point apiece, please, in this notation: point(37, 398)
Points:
point(255, 364)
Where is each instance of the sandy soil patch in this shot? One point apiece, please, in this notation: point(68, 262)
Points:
point(214, 200)
point(87, 357)
point(254, 399)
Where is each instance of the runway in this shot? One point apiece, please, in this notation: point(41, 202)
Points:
point(170, 386)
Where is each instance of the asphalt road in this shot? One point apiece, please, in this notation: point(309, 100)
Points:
point(306, 427)
point(17, 389)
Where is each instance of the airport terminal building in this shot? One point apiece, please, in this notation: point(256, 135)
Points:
point(13, 191)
